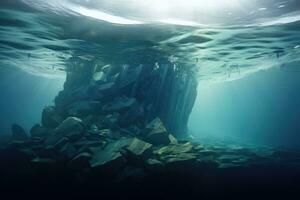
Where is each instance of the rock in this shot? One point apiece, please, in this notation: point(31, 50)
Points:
point(173, 140)
point(177, 156)
point(84, 142)
point(109, 160)
point(181, 162)
point(93, 129)
point(131, 131)
point(174, 149)
point(232, 158)
point(35, 141)
point(70, 95)
point(134, 115)
point(80, 161)
point(68, 151)
point(81, 108)
point(38, 131)
point(120, 104)
point(138, 150)
point(207, 152)
point(89, 120)
point(18, 133)
point(50, 118)
point(199, 147)
point(157, 133)
point(103, 92)
point(41, 163)
point(71, 128)
point(52, 138)
point(61, 143)
point(107, 69)
point(107, 133)
point(154, 166)
point(111, 120)
point(48, 152)
point(99, 76)
point(85, 149)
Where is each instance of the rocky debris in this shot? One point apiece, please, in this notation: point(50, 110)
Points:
point(172, 139)
point(71, 128)
point(18, 133)
point(133, 116)
point(81, 161)
point(82, 108)
point(154, 166)
point(68, 151)
point(61, 143)
point(138, 151)
point(157, 133)
point(182, 162)
point(174, 149)
point(120, 104)
point(99, 76)
point(48, 151)
point(139, 148)
point(50, 117)
point(177, 156)
point(111, 120)
point(109, 159)
point(104, 92)
point(38, 131)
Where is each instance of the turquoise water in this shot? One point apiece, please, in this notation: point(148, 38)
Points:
point(230, 47)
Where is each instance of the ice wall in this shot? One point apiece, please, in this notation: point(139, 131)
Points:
point(165, 91)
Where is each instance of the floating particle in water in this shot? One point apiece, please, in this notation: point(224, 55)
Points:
point(281, 6)
point(297, 47)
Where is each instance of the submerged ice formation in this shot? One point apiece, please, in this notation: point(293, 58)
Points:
point(129, 94)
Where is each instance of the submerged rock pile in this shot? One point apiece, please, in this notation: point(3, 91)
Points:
point(108, 118)
point(120, 125)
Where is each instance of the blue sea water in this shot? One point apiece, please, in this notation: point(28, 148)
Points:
point(245, 55)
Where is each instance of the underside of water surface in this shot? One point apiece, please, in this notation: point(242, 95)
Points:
point(150, 99)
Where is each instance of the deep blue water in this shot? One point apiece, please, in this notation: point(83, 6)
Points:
point(23, 97)
point(260, 109)
point(245, 53)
